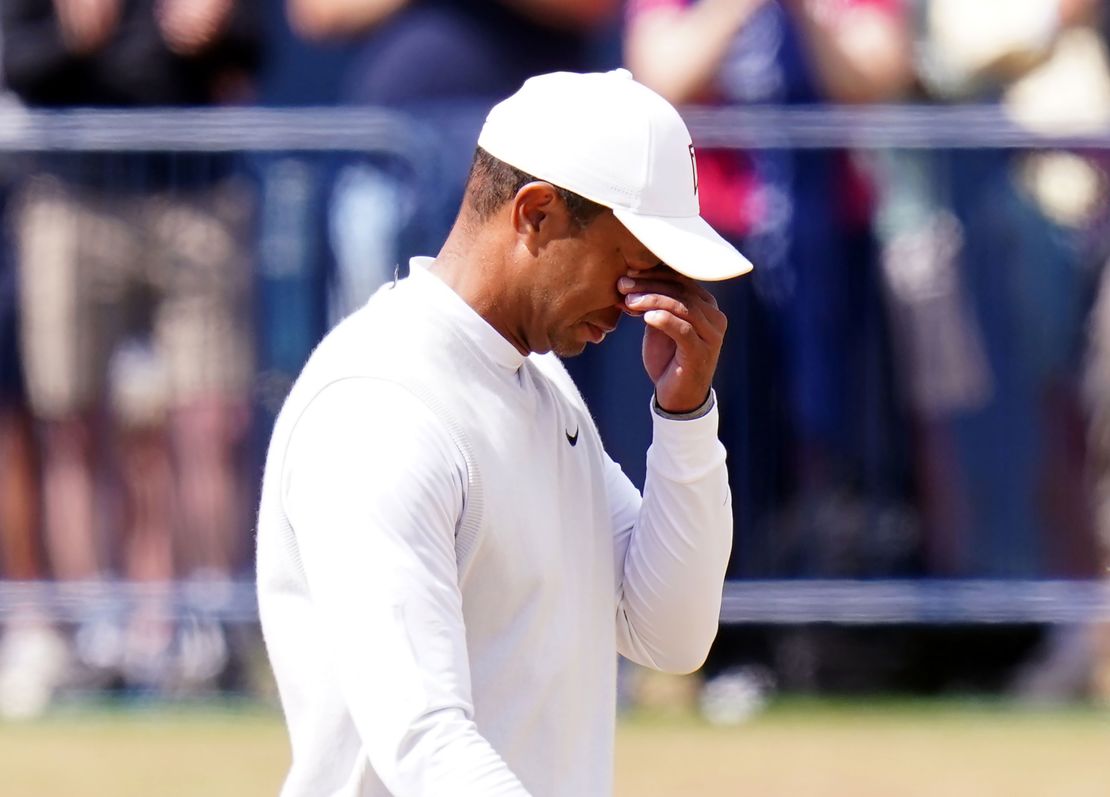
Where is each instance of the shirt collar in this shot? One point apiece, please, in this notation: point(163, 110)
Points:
point(466, 319)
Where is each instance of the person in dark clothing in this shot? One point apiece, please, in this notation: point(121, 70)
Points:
point(134, 272)
point(446, 62)
point(61, 53)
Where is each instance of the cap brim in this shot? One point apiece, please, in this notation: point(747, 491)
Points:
point(688, 245)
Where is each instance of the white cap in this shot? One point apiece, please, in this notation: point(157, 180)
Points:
point(616, 142)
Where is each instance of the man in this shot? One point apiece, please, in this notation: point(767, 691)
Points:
point(448, 561)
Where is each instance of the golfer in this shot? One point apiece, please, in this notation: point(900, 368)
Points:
point(448, 561)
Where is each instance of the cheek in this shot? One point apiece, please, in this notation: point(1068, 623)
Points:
point(602, 273)
point(588, 283)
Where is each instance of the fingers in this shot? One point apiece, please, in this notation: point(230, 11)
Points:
point(681, 331)
point(677, 295)
point(664, 275)
point(680, 362)
point(685, 332)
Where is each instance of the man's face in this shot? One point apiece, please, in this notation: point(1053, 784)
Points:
point(576, 296)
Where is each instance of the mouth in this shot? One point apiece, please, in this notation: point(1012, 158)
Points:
point(596, 332)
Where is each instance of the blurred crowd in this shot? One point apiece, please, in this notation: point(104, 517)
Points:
point(916, 381)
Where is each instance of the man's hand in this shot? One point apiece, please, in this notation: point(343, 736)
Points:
point(86, 25)
point(683, 336)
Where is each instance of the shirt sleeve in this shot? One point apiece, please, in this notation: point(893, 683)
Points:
point(672, 546)
point(374, 487)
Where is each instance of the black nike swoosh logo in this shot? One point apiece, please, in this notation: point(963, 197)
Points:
point(573, 439)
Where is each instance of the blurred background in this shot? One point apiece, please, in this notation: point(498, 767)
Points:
point(915, 389)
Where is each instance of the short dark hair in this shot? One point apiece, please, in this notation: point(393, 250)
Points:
point(492, 183)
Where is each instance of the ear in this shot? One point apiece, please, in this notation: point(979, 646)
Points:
point(539, 215)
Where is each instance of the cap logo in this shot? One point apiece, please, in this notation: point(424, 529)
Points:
point(694, 168)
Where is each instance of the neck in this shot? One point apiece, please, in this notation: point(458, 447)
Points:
point(475, 266)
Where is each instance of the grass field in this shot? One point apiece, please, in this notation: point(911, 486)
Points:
point(795, 749)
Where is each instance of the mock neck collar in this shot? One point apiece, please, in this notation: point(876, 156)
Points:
point(465, 317)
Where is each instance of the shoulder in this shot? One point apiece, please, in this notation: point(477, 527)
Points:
point(373, 424)
point(366, 455)
point(385, 333)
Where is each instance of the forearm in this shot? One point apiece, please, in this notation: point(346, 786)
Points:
point(399, 660)
point(677, 51)
point(861, 55)
point(674, 567)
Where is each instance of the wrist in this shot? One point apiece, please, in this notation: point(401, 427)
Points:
point(683, 414)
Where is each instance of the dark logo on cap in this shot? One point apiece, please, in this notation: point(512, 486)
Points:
point(694, 168)
point(572, 439)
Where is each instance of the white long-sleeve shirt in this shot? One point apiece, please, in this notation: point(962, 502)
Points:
point(448, 561)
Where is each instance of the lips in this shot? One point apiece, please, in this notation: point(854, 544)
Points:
point(595, 332)
point(598, 329)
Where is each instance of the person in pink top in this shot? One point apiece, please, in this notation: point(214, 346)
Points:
point(800, 431)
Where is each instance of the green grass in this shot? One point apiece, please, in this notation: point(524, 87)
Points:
point(881, 749)
point(128, 753)
point(796, 749)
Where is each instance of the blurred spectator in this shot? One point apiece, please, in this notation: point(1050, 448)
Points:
point(134, 274)
point(20, 557)
point(802, 437)
point(1069, 91)
point(807, 414)
point(1097, 394)
point(446, 62)
point(986, 276)
point(988, 264)
point(27, 645)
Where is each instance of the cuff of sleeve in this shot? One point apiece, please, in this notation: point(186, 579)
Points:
point(685, 447)
point(704, 409)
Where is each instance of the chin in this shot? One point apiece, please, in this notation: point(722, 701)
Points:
point(568, 348)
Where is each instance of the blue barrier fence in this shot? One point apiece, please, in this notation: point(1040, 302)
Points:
point(762, 602)
point(368, 129)
point(410, 140)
